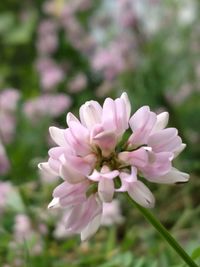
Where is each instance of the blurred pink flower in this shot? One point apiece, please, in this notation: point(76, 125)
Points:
point(8, 100)
point(47, 41)
point(111, 213)
point(22, 227)
point(114, 59)
point(89, 159)
point(109, 61)
point(78, 83)
point(51, 74)
point(24, 232)
point(47, 105)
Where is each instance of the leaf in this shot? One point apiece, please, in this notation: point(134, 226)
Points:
point(6, 22)
point(21, 33)
point(196, 253)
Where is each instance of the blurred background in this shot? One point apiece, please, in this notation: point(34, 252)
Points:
point(54, 56)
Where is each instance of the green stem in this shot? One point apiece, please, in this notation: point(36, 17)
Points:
point(164, 233)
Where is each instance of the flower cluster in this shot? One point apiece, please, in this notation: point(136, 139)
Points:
point(94, 161)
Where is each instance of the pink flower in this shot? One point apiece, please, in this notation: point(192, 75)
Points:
point(51, 74)
point(47, 105)
point(78, 83)
point(8, 100)
point(22, 227)
point(92, 160)
point(109, 61)
point(111, 213)
point(47, 42)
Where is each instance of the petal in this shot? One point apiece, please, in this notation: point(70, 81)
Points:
point(56, 152)
point(138, 158)
point(58, 136)
point(72, 200)
point(129, 177)
point(74, 217)
point(55, 203)
point(106, 189)
point(70, 174)
point(91, 228)
point(165, 140)
point(179, 150)
point(78, 137)
point(141, 124)
point(158, 164)
point(82, 214)
point(172, 177)
point(109, 115)
point(54, 165)
point(44, 166)
point(139, 118)
point(83, 165)
point(125, 98)
point(121, 116)
point(95, 176)
point(111, 174)
point(106, 141)
point(161, 122)
point(70, 117)
point(90, 114)
point(141, 194)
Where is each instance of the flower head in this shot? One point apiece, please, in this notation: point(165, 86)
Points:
point(94, 164)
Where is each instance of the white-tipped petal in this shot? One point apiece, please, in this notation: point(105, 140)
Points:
point(161, 122)
point(57, 135)
point(54, 203)
point(44, 166)
point(172, 177)
point(124, 96)
point(141, 194)
point(90, 114)
point(70, 117)
point(179, 150)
